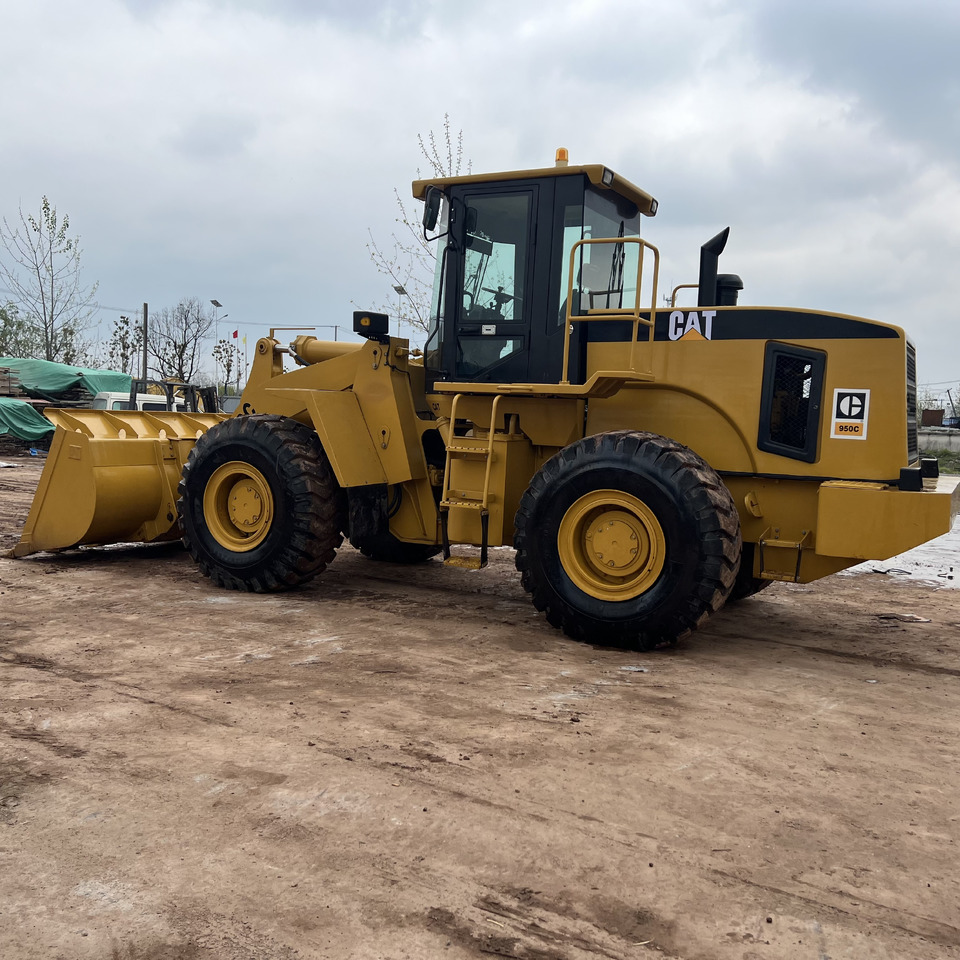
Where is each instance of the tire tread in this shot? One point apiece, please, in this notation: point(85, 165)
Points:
point(318, 503)
point(718, 525)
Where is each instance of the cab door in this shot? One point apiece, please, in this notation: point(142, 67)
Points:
point(497, 282)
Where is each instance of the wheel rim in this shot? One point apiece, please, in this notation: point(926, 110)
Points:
point(238, 506)
point(611, 545)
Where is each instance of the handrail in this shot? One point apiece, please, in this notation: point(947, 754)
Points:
point(635, 313)
point(451, 437)
point(486, 474)
point(487, 452)
point(678, 288)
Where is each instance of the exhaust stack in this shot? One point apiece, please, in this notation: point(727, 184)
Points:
point(709, 257)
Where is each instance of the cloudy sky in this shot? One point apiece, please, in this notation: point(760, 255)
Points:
point(241, 150)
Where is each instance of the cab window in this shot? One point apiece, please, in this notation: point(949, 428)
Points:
point(495, 264)
point(606, 274)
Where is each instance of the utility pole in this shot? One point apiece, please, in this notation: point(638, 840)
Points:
point(144, 343)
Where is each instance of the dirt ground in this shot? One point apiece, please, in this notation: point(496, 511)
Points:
point(410, 763)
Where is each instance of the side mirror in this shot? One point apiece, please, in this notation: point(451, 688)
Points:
point(431, 208)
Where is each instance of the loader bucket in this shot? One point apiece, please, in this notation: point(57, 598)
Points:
point(111, 477)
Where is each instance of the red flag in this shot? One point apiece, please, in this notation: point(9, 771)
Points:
point(235, 332)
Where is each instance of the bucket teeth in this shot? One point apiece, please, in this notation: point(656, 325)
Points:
point(111, 477)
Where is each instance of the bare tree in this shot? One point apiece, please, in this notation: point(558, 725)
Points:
point(42, 270)
point(408, 260)
point(175, 339)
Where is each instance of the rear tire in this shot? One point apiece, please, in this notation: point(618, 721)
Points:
point(260, 508)
point(747, 585)
point(627, 539)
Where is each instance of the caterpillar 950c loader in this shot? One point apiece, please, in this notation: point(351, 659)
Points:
point(647, 464)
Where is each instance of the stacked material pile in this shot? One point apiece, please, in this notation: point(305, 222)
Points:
point(9, 383)
point(22, 426)
point(63, 384)
point(27, 386)
point(20, 421)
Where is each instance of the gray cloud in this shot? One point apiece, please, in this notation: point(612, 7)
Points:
point(241, 150)
point(213, 136)
point(386, 17)
point(899, 61)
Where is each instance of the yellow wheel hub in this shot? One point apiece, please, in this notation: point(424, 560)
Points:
point(238, 506)
point(611, 545)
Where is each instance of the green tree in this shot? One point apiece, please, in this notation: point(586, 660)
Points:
point(18, 338)
point(229, 361)
point(175, 339)
point(125, 347)
point(42, 270)
point(408, 260)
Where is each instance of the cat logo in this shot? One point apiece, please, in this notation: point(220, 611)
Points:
point(691, 324)
point(851, 408)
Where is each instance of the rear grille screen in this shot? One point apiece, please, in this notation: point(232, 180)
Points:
point(791, 402)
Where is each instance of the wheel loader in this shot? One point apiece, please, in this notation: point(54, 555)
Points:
point(648, 462)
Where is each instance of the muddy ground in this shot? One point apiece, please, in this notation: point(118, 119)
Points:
point(397, 763)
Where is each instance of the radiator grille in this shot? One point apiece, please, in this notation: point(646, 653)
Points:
point(913, 449)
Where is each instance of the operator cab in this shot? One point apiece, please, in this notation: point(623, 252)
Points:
point(502, 278)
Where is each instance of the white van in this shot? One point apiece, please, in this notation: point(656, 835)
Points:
point(112, 400)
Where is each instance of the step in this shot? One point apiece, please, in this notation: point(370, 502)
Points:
point(471, 503)
point(482, 451)
point(770, 540)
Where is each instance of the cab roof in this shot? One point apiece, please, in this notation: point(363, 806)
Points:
point(600, 176)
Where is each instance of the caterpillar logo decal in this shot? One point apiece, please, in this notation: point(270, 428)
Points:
point(851, 410)
point(691, 324)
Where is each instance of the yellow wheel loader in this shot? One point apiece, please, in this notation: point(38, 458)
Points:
point(647, 462)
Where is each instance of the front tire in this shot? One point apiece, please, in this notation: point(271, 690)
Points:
point(260, 508)
point(627, 538)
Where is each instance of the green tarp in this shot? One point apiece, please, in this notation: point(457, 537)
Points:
point(20, 420)
point(44, 380)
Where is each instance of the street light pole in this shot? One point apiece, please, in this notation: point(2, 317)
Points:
point(144, 344)
point(401, 293)
point(216, 320)
point(216, 338)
